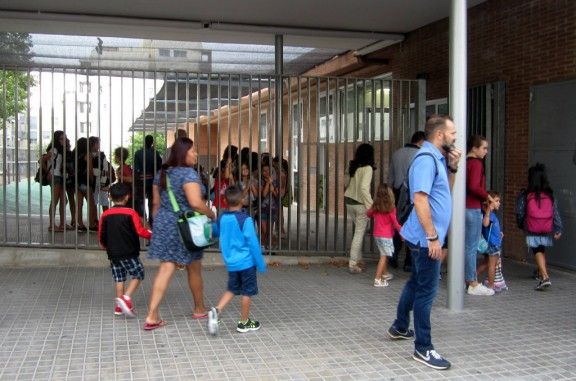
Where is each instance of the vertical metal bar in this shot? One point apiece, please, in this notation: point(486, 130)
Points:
point(133, 111)
point(290, 173)
point(250, 143)
point(40, 125)
point(382, 134)
point(308, 144)
point(219, 116)
point(346, 148)
point(88, 192)
point(318, 137)
point(4, 158)
point(17, 158)
point(336, 161)
point(76, 154)
point(28, 157)
point(176, 107)
point(239, 113)
point(297, 194)
point(259, 172)
point(208, 115)
point(188, 105)
point(64, 156)
point(325, 191)
point(279, 93)
point(98, 133)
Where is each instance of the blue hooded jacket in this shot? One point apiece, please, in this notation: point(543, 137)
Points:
point(238, 241)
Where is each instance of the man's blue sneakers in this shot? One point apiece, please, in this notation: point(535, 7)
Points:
point(432, 359)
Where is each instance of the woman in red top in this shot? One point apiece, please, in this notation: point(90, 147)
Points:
point(475, 195)
point(385, 223)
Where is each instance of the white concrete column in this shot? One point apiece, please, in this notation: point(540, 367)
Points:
point(457, 104)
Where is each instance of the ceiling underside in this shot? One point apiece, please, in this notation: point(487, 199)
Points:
point(314, 30)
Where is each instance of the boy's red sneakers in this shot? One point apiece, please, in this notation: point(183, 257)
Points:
point(117, 310)
point(125, 304)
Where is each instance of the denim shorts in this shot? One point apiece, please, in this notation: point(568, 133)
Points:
point(243, 282)
point(385, 246)
point(132, 266)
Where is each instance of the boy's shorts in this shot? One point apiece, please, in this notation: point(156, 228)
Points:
point(243, 282)
point(385, 246)
point(132, 266)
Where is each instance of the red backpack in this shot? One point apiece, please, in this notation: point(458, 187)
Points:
point(539, 213)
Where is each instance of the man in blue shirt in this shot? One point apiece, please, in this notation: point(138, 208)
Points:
point(430, 179)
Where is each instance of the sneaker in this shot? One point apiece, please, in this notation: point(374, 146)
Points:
point(388, 276)
point(480, 290)
point(213, 326)
point(400, 335)
point(117, 310)
point(249, 325)
point(500, 286)
point(125, 304)
point(432, 359)
point(543, 284)
point(380, 283)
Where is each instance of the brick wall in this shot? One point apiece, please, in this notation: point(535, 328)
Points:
point(520, 42)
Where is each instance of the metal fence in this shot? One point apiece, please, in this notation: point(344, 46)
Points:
point(323, 121)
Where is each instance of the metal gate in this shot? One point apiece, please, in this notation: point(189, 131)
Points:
point(323, 121)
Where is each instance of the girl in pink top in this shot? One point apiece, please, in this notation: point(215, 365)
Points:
point(385, 223)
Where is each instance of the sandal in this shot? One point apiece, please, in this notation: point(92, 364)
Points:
point(81, 228)
point(153, 326)
point(56, 229)
point(199, 316)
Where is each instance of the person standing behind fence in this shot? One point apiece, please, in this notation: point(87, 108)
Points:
point(358, 200)
point(53, 163)
point(85, 180)
point(118, 233)
point(542, 221)
point(147, 162)
point(166, 245)
point(103, 173)
point(431, 177)
point(397, 173)
point(475, 195)
point(385, 224)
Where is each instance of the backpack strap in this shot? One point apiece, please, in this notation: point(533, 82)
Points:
point(412, 162)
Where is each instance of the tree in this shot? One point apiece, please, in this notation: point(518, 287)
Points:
point(14, 83)
point(138, 143)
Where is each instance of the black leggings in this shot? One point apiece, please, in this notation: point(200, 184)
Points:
point(538, 249)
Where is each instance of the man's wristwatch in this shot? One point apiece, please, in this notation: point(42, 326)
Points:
point(452, 169)
point(432, 238)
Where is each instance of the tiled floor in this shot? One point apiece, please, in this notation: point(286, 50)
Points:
point(318, 323)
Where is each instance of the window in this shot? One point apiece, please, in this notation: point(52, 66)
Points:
point(180, 53)
point(85, 107)
point(83, 127)
point(326, 119)
point(263, 132)
point(85, 87)
point(164, 52)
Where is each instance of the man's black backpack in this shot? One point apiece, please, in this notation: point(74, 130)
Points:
point(521, 200)
point(404, 205)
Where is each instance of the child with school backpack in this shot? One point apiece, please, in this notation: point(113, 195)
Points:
point(537, 213)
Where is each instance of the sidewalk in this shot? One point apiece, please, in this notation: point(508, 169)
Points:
point(318, 323)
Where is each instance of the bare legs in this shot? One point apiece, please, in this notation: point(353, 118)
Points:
point(161, 282)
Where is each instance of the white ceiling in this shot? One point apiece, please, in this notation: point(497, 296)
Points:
point(342, 24)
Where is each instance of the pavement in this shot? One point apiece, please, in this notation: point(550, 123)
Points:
point(318, 323)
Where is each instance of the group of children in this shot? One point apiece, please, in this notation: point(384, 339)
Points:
point(385, 225)
point(120, 227)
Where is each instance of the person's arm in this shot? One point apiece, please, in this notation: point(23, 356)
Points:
point(453, 162)
point(193, 193)
point(250, 236)
point(394, 220)
point(155, 200)
point(557, 222)
point(140, 229)
point(370, 213)
point(473, 181)
point(366, 181)
point(422, 207)
point(102, 235)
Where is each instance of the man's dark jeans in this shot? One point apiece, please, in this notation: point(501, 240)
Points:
point(418, 295)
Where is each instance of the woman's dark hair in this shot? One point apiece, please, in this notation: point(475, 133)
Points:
point(177, 157)
point(474, 141)
point(81, 148)
point(56, 142)
point(538, 181)
point(363, 156)
point(122, 154)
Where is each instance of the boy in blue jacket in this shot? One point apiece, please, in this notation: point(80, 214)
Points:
point(242, 255)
